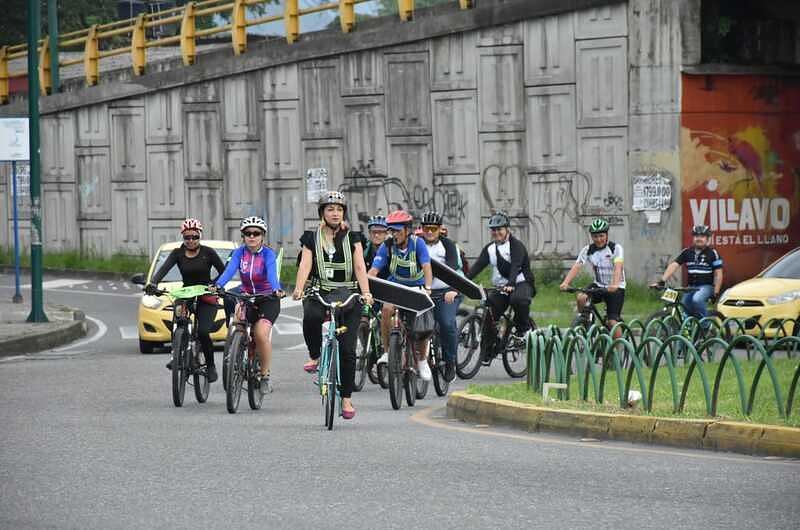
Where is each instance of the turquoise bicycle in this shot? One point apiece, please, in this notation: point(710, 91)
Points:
point(328, 375)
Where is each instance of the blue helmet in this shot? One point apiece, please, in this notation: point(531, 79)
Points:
point(377, 220)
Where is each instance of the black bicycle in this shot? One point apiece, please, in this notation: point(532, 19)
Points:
point(438, 366)
point(239, 368)
point(187, 355)
point(472, 354)
point(369, 350)
point(589, 314)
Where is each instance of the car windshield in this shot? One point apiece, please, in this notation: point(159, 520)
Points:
point(786, 267)
point(174, 275)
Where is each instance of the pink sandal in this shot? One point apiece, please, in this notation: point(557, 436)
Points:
point(348, 414)
point(311, 366)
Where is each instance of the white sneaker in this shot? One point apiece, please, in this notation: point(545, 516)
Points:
point(384, 359)
point(424, 370)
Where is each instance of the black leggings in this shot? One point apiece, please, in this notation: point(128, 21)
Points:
point(520, 300)
point(313, 314)
point(205, 314)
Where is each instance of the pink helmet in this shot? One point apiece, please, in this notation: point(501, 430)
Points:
point(191, 224)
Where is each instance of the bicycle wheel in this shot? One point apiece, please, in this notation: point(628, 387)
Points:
point(235, 362)
point(225, 351)
point(180, 359)
point(329, 396)
point(515, 362)
point(394, 370)
point(254, 395)
point(410, 386)
point(469, 342)
point(362, 356)
point(201, 384)
point(440, 384)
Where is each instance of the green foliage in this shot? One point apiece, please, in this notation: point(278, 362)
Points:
point(76, 261)
point(549, 270)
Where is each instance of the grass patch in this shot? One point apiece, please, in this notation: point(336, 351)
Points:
point(551, 306)
point(729, 408)
point(75, 260)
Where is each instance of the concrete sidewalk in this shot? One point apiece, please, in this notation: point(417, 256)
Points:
point(19, 337)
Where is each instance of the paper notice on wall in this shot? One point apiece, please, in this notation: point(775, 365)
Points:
point(14, 140)
point(316, 183)
point(651, 192)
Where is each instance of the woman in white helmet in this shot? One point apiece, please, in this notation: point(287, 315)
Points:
point(257, 267)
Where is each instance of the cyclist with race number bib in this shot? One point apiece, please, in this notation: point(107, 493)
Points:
point(194, 262)
point(405, 257)
point(704, 269)
point(446, 300)
point(511, 276)
point(332, 255)
point(258, 270)
point(606, 259)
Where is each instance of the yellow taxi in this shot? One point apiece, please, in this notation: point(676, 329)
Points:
point(767, 299)
point(155, 321)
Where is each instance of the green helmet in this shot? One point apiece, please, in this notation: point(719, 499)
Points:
point(598, 226)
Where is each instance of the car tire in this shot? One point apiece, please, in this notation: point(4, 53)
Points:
point(146, 346)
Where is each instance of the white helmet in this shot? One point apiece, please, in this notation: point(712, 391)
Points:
point(255, 221)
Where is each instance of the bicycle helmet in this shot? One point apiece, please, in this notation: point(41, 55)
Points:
point(432, 218)
point(499, 220)
point(191, 224)
point(598, 226)
point(331, 197)
point(253, 221)
point(399, 219)
point(701, 230)
point(377, 220)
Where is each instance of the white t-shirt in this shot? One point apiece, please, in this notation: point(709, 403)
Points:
point(603, 261)
point(498, 280)
point(437, 252)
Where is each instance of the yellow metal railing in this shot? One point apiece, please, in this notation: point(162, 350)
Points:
point(136, 28)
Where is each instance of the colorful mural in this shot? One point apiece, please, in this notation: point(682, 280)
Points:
point(740, 167)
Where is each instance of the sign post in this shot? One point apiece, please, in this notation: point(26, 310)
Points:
point(14, 147)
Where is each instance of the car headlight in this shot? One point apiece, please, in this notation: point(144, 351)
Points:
point(783, 298)
point(151, 302)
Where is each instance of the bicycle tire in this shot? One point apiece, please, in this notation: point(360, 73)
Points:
point(201, 384)
point(468, 360)
point(520, 355)
point(329, 398)
point(394, 371)
point(440, 384)
point(254, 396)
point(410, 386)
point(179, 361)
point(235, 357)
point(362, 356)
point(225, 351)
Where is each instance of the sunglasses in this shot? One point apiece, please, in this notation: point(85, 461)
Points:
point(191, 238)
point(252, 234)
point(431, 229)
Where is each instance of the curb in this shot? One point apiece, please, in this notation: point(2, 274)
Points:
point(745, 438)
point(73, 273)
point(64, 333)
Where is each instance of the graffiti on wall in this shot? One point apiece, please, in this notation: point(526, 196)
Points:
point(740, 156)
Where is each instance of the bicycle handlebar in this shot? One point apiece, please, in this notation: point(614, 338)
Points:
point(585, 290)
point(250, 298)
point(679, 289)
point(332, 305)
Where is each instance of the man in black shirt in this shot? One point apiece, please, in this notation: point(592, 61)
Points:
point(704, 267)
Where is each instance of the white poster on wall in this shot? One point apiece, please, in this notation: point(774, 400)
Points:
point(14, 140)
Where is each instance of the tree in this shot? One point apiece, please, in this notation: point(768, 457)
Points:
point(72, 16)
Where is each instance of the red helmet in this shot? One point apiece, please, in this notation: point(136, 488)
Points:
point(191, 224)
point(399, 219)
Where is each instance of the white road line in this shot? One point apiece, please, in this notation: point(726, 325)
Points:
point(290, 317)
point(55, 284)
point(99, 287)
point(288, 302)
point(113, 288)
point(125, 285)
point(102, 329)
point(288, 329)
point(92, 293)
point(129, 332)
point(298, 347)
point(13, 358)
point(85, 286)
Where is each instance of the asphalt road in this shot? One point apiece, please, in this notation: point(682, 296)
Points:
point(90, 439)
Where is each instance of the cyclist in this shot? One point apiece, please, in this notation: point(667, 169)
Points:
point(606, 259)
point(258, 270)
point(704, 267)
point(377, 235)
point(463, 255)
point(194, 262)
point(446, 300)
point(406, 258)
point(333, 256)
point(511, 274)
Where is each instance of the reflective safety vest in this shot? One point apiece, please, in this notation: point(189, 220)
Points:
point(324, 266)
point(415, 272)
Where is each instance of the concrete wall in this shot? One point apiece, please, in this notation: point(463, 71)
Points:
point(547, 118)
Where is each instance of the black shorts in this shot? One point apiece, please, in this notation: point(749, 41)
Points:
point(614, 302)
point(266, 308)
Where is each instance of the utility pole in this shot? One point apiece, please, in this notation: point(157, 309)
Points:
point(52, 29)
point(37, 295)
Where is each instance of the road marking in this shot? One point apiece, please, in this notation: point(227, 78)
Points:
point(54, 284)
point(129, 332)
point(290, 317)
point(14, 358)
point(423, 417)
point(288, 329)
point(301, 346)
point(288, 302)
point(125, 285)
point(102, 329)
point(99, 287)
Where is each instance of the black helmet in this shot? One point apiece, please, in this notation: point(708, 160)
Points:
point(499, 220)
point(432, 218)
point(701, 230)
